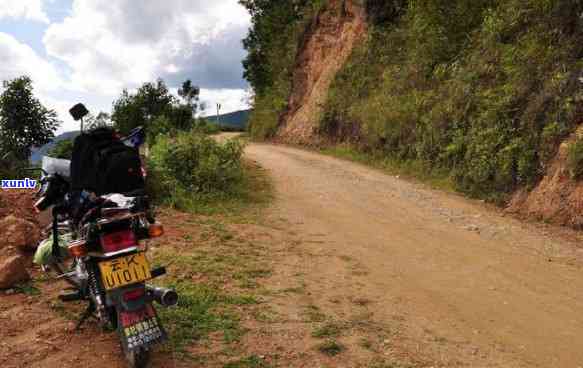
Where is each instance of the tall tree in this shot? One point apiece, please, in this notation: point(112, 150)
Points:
point(102, 119)
point(24, 122)
point(151, 101)
point(271, 19)
point(191, 95)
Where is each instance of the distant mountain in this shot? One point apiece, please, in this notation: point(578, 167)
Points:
point(37, 154)
point(233, 121)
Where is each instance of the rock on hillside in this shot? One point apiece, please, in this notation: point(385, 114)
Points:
point(19, 233)
point(13, 271)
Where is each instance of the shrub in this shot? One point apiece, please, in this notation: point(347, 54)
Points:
point(192, 166)
point(62, 149)
point(202, 125)
point(575, 159)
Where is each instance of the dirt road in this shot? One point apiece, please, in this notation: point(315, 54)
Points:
point(468, 286)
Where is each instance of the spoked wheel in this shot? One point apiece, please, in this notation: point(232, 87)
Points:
point(138, 359)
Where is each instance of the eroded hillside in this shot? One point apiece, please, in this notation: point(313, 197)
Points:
point(325, 46)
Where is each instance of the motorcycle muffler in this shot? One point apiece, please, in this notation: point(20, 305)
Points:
point(165, 297)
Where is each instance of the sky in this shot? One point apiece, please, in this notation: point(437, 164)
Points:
point(90, 50)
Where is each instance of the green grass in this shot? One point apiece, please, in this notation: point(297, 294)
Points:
point(213, 271)
point(407, 169)
point(27, 289)
point(313, 314)
point(330, 329)
point(204, 306)
point(201, 309)
point(366, 344)
point(331, 348)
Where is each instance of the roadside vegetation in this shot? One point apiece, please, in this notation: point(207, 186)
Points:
point(194, 172)
point(483, 91)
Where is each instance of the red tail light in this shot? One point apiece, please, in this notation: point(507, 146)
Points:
point(117, 241)
point(134, 294)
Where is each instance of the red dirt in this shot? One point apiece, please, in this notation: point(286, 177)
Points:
point(18, 203)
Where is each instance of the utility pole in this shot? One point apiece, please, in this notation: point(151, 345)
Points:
point(218, 113)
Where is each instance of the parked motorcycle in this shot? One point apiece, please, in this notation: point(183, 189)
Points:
point(98, 244)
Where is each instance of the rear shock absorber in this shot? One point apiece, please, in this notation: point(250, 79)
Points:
point(96, 294)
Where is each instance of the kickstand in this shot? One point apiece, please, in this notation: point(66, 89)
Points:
point(86, 315)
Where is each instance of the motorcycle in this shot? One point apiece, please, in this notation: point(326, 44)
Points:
point(98, 245)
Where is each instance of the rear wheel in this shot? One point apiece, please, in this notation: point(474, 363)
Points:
point(138, 359)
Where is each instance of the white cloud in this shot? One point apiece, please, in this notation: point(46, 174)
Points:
point(19, 59)
point(23, 9)
point(112, 45)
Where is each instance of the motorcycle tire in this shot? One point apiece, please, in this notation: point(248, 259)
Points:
point(138, 359)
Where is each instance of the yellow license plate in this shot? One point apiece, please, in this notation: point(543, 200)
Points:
point(125, 271)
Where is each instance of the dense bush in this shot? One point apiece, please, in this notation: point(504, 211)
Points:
point(192, 166)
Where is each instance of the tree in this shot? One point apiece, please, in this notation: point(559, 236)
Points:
point(24, 122)
point(271, 19)
point(151, 101)
point(191, 95)
point(62, 149)
point(102, 119)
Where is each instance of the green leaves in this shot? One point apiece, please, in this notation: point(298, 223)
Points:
point(24, 121)
point(151, 101)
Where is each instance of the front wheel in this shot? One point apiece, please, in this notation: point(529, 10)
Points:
point(138, 359)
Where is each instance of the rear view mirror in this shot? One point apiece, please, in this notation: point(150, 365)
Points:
point(78, 111)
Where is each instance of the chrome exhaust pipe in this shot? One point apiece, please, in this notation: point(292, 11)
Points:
point(165, 297)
